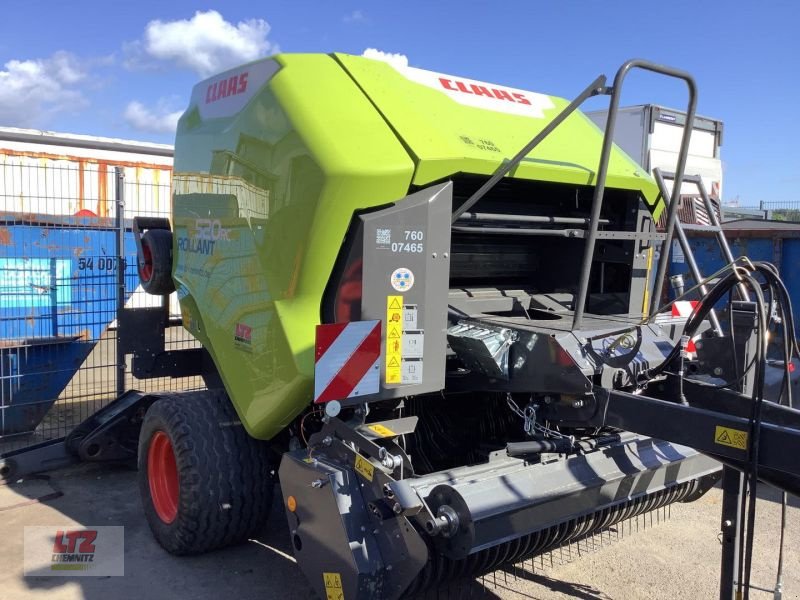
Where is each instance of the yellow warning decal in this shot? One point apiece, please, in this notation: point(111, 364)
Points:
point(381, 430)
point(735, 438)
point(646, 296)
point(364, 467)
point(394, 338)
point(333, 586)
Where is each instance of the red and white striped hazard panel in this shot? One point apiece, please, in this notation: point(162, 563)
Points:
point(347, 360)
point(684, 308)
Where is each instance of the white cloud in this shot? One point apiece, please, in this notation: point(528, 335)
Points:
point(206, 43)
point(154, 120)
point(397, 60)
point(357, 16)
point(32, 91)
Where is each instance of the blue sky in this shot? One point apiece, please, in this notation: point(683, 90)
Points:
point(125, 69)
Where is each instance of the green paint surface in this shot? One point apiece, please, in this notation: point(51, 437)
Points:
point(263, 198)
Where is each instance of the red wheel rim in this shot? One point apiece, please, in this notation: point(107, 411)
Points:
point(146, 263)
point(162, 474)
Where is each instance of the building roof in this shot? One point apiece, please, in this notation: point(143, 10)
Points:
point(760, 224)
point(72, 140)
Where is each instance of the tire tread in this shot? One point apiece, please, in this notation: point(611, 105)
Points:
point(226, 479)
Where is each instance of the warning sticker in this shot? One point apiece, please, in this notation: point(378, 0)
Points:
point(735, 438)
point(394, 338)
point(409, 316)
point(333, 586)
point(364, 467)
point(381, 430)
point(412, 371)
point(413, 344)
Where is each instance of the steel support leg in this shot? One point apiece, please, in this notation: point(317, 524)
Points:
point(732, 489)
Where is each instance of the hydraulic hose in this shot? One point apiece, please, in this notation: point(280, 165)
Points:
point(556, 445)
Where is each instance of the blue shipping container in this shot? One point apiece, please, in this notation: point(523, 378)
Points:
point(58, 294)
point(776, 242)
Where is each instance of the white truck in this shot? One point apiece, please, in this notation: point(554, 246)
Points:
point(651, 135)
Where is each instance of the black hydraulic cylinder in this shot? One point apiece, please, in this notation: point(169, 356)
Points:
point(556, 445)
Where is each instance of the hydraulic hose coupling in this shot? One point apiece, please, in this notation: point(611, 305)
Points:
point(678, 284)
point(685, 339)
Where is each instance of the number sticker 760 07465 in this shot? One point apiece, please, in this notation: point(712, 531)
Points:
point(413, 242)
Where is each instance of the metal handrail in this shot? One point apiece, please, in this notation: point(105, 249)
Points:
point(598, 87)
point(602, 171)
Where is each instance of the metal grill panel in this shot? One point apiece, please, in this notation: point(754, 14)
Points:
point(65, 241)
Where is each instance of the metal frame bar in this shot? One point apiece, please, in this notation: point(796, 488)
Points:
point(45, 456)
point(594, 88)
point(602, 171)
point(687, 251)
point(545, 220)
point(120, 251)
point(732, 490)
point(697, 423)
point(568, 233)
point(715, 222)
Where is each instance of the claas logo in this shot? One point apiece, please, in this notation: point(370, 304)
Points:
point(454, 85)
point(232, 86)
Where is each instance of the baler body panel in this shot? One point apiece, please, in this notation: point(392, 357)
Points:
point(268, 178)
point(457, 125)
point(263, 199)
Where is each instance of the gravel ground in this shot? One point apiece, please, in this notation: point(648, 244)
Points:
point(673, 558)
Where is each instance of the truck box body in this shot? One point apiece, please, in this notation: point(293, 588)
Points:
point(651, 134)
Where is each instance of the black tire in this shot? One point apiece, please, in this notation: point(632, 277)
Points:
point(155, 263)
point(225, 478)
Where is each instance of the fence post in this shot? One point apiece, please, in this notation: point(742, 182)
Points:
point(120, 250)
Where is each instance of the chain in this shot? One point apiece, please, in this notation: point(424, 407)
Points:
point(528, 416)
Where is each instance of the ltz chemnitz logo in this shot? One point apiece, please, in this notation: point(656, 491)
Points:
point(74, 550)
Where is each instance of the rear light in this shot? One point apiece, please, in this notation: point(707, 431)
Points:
point(563, 358)
point(347, 303)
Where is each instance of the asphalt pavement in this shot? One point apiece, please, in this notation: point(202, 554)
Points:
point(670, 554)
